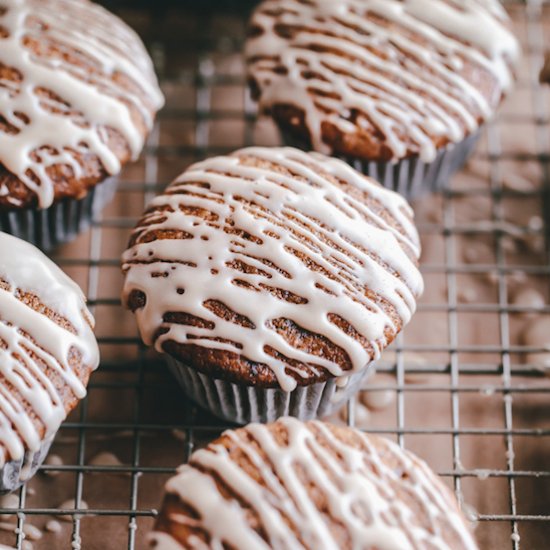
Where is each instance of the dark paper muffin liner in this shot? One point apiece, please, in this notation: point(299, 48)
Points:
point(244, 404)
point(61, 222)
point(17, 472)
point(411, 177)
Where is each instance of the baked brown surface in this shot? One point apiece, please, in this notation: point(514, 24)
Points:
point(67, 184)
point(194, 527)
point(235, 367)
point(363, 137)
point(82, 371)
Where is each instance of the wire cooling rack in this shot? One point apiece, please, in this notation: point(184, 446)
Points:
point(461, 387)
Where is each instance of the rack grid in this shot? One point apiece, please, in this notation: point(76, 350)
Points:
point(461, 386)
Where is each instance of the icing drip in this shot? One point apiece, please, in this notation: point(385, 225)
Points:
point(251, 230)
point(363, 485)
point(163, 541)
point(30, 343)
point(103, 81)
point(331, 59)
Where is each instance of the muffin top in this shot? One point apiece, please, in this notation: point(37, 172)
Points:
point(380, 79)
point(273, 267)
point(77, 97)
point(47, 347)
point(295, 485)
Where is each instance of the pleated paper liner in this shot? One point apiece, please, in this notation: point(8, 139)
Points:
point(16, 472)
point(412, 178)
point(243, 404)
point(60, 223)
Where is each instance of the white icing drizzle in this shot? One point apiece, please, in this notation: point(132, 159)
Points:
point(363, 489)
point(304, 213)
point(163, 541)
point(335, 60)
point(25, 333)
point(53, 526)
point(71, 505)
point(109, 49)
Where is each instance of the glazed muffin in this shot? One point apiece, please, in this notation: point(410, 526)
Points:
point(78, 96)
point(398, 89)
point(47, 352)
point(272, 278)
point(308, 486)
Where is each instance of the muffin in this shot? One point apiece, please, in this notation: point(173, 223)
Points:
point(47, 352)
point(308, 485)
point(397, 89)
point(272, 278)
point(78, 96)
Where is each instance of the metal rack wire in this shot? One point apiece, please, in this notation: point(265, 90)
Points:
point(465, 399)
